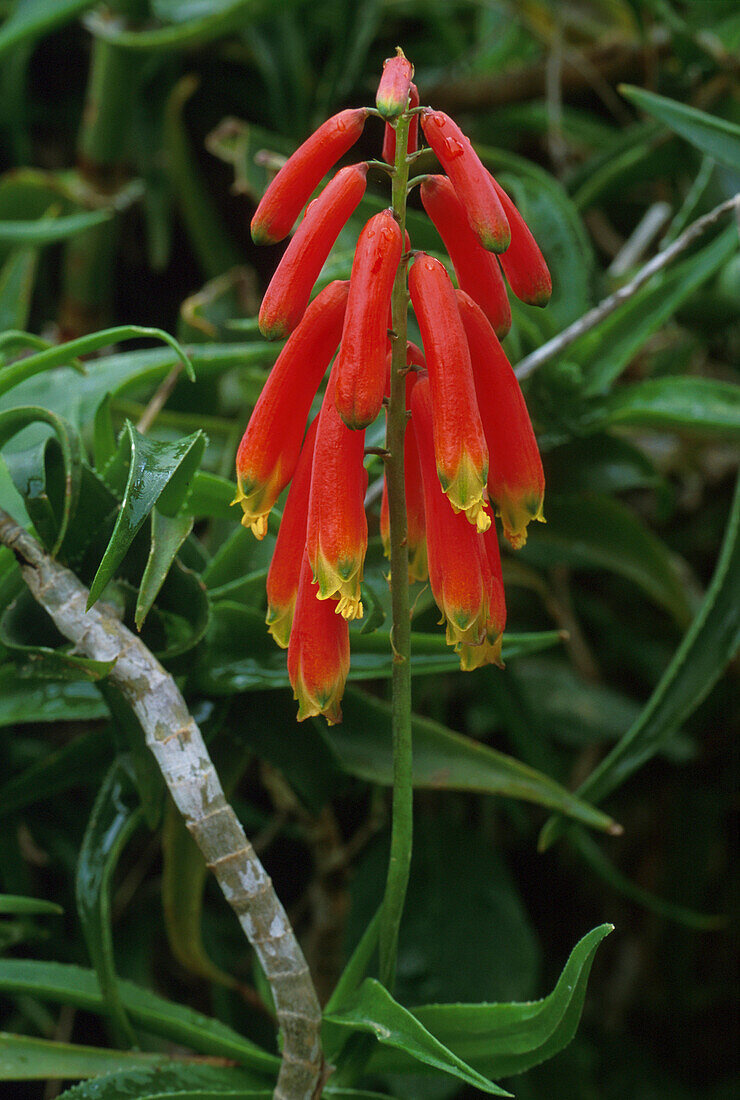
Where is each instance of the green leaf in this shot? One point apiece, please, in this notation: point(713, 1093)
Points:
point(240, 660)
point(11, 903)
point(212, 496)
point(159, 473)
point(113, 820)
point(66, 984)
point(227, 17)
point(16, 287)
point(24, 1059)
point(184, 875)
point(33, 18)
point(443, 760)
point(168, 535)
point(696, 405)
point(12, 421)
point(186, 1081)
point(50, 230)
point(63, 768)
point(591, 531)
point(26, 628)
point(62, 354)
point(718, 137)
point(506, 1039)
point(372, 1009)
point(605, 351)
point(599, 464)
point(709, 644)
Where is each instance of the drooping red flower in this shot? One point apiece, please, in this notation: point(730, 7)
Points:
point(459, 568)
point(268, 452)
point(489, 650)
point(470, 178)
point(395, 85)
point(523, 263)
point(285, 568)
point(337, 526)
point(459, 442)
point(290, 288)
point(516, 482)
point(318, 652)
point(360, 366)
point(477, 270)
point(389, 136)
point(291, 189)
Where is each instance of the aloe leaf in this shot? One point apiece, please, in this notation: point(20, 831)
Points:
point(718, 137)
point(12, 903)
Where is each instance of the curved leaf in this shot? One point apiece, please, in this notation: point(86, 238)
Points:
point(168, 535)
point(33, 18)
point(718, 137)
point(158, 473)
point(25, 1059)
point(15, 420)
point(50, 230)
point(709, 644)
point(185, 1081)
point(11, 903)
point(229, 15)
point(443, 760)
point(506, 1039)
point(592, 531)
point(66, 984)
point(112, 822)
point(61, 769)
point(372, 1009)
point(701, 405)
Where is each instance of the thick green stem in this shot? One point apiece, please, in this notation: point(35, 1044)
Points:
point(402, 821)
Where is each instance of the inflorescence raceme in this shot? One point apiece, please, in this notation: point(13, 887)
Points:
point(469, 444)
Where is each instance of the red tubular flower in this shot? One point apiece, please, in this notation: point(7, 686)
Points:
point(337, 526)
point(523, 262)
point(471, 180)
point(389, 136)
point(459, 442)
point(489, 651)
point(395, 85)
point(268, 452)
point(288, 193)
point(285, 568)
point(360, 365)
point(477, 270)
point(290, 288)
point(318, 653)
point(516, 483)
point(459, 570)
point(414, 493)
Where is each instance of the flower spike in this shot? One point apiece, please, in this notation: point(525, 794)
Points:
point(360, 365)
point(477, 270)
point(337, 525)
point(459, 442)
point(285, 568)
point(470, 178)
point(291, 189)
point(516, 483)
point(290, 288)
point(395, 85)
point(389, 137)
point(318, 653)
point(268, 452)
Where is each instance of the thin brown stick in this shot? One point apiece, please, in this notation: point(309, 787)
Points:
point(589, 320)
point(180, 752)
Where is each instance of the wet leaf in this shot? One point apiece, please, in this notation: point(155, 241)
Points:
point(168, 535)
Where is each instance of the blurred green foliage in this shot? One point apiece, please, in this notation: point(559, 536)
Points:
point(137, 137)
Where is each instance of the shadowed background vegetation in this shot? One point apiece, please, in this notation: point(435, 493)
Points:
point(135, 140)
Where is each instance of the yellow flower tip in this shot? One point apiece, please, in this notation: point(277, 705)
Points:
point(516, 514)
point(256, 523)
point(279, 621)
point(476, 656)
point(350, 608)
point(325, 702)
point(466, 492)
